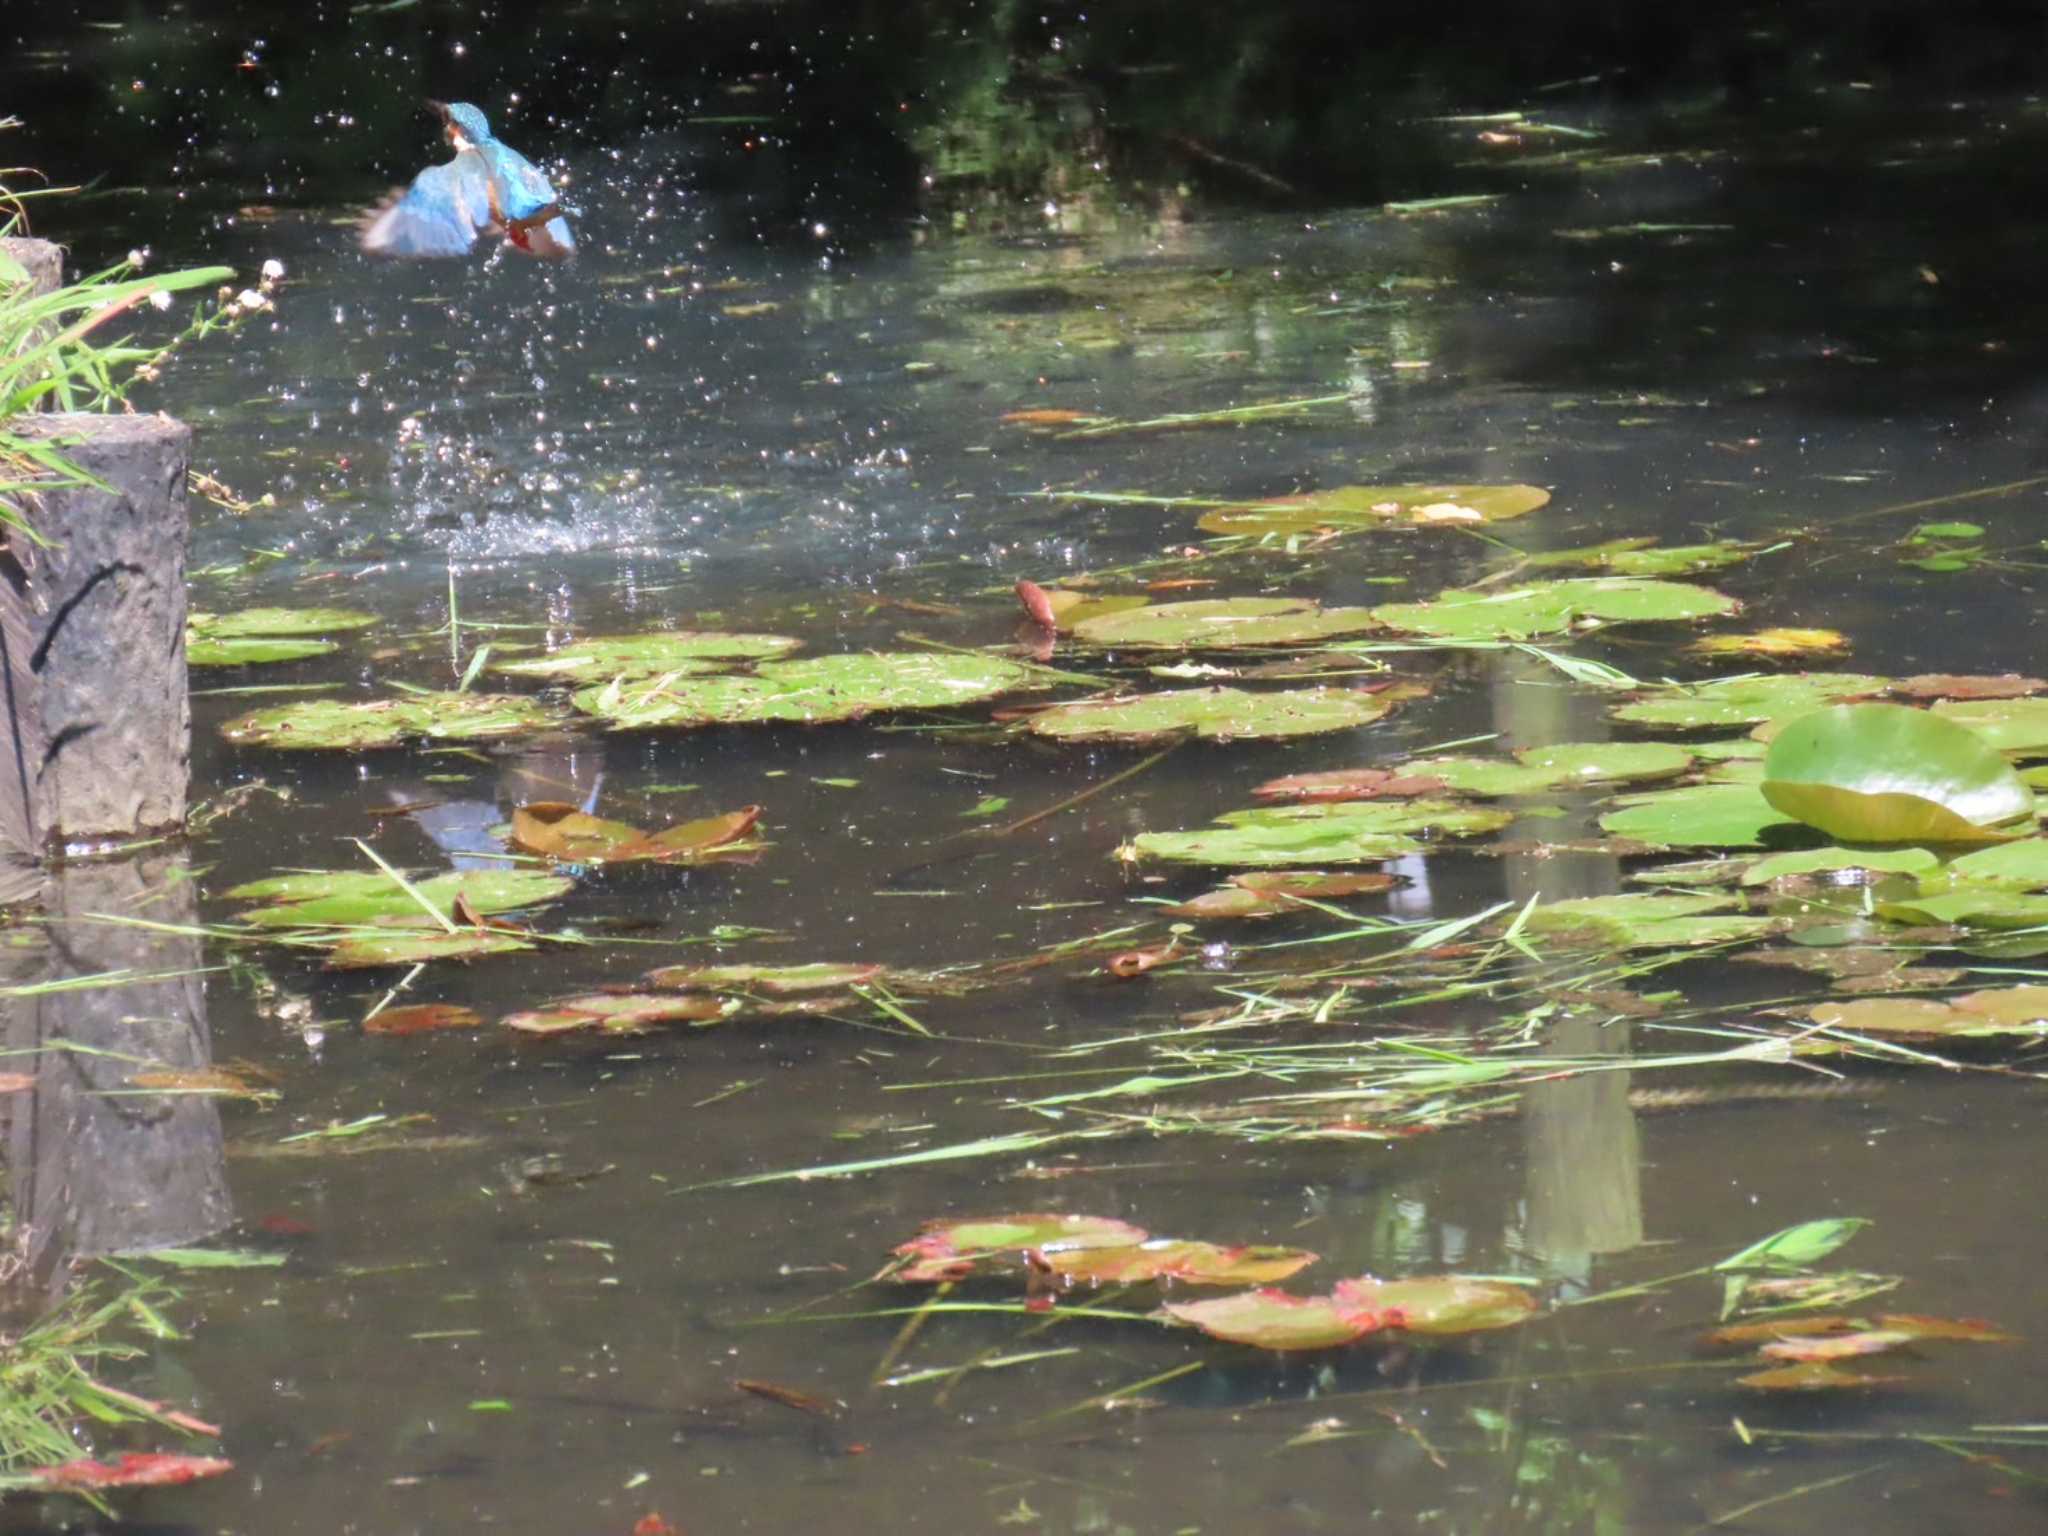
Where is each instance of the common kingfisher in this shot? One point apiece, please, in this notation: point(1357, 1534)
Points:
point(489, 188)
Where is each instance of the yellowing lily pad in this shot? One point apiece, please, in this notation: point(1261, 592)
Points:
point(1270, 1319)
point(1349, 507)
point(1215, 624)
point(812, 690)
point(681, 651)
point(1741, 701)
point(560, 831)
point(1771, 642)
point(340, 725)
point(1554, 607)
point(1214, 714)
point(1884, 773)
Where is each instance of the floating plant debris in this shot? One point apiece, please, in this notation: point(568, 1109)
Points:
point(770, 980)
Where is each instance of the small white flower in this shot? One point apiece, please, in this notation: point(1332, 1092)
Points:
point(250, 299)
point(159, 298)
point(273, 269)
point(139, 257)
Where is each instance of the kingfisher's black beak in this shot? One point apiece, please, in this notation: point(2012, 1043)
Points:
point(439, 109)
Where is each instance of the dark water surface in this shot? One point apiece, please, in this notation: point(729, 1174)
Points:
point(693, 427)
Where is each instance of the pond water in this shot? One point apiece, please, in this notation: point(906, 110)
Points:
point(522, 1299)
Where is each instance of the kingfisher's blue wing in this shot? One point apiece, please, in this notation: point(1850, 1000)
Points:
point(523, 190)
point(440, 214)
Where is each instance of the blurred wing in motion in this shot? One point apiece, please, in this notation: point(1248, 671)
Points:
point(440, 214)
point(522, 191)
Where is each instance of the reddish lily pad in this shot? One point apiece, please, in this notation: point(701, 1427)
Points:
point(132, 1469)
point(1348, 784)
point(421, 1018)
point(1812, 1376)
point(1179, 1261)
point(950, 1250)
point(1836, 1346)
point(773, 980)
point(1437, 1304)
point(1266, 893)
point(1275, 1320)
point(615, 1013)
point(1948, 685)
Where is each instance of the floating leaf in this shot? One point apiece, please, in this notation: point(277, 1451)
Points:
point(772, 980)
point(1214, 714)
point(337, 725)
point(1268, 893)
point(949, 1250)
point(279, 621)
point(421, 1018)
point(811, 690)
point(1567, 765)
point(1738, 701)
point(251, 650)
point(1812, 1377)
point(615, 1013)
point(1795, 1247)
point(681, 651)
point(1520, 613)
point(1270, 1319)
point(1996, 1011)
point(418, 947)
point(1348, 784)
point(1884, 773)
point(1827, 861)
point(1697, 816)
point(1771, 642)
point(1349, 833)
point(1437, 1304)
point(1179, 1261)
point(1838, 1346)
point(131, 1469)
point(352, 898)
point(1649, 921)
point(2018, 726)
point(560, 831)
point(1643, 557)
point(1971, 906)
point(2020, 865)
point(1349, 507)
point(1217, 624)
point(1945, 685)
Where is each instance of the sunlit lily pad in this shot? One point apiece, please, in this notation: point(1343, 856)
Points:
point(1642, 557)
point(683, 651)
point(1275, 1320)
point(1740, 701)
point(2015, 725)
point(1995, 1011)
point(1178, 1261)
point(1650, 920)
point(1567, 765)
point(615, 1013)
point(1697, 816)
point(1268, 893)
point(949, 1250)
point(340, 725)
point(1438, 1304)
point(811, 690)
point(1348, 833)
point(421, 1019)
point(1884, 773)
point(1770, 643)
point(251, 650)
point(1375, 506)
point(419, 946)
point(1214, 714)
point(261, 635)
point(2020, 865)
point(559, 831)
point(1553, 607)
point(351, 898)
point(773, 980)
point(1215, 624)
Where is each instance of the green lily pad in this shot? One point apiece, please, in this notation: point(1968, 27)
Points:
point(1650, 920)
point(1376, 506)
point(2018, 726)
point(1554, 607)
point(1348, 832)
point(1567, 765)
point(1884, 773)
point(949, 1250)
point(2020, 865)
point(773, 980)
point(348, 898)
point(682, 651)
point(1268, 893)
point(1697, 816)
point(420, 946)
point(279, 621)
point(1739, 701)
point(1217, 624)
point(1985, 906)
point(813, 690)
point(338, 725)
point(1214, 714)
point(1823, 861)
point(251, 650)
point(1643, 557)
point(1998, 1011)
